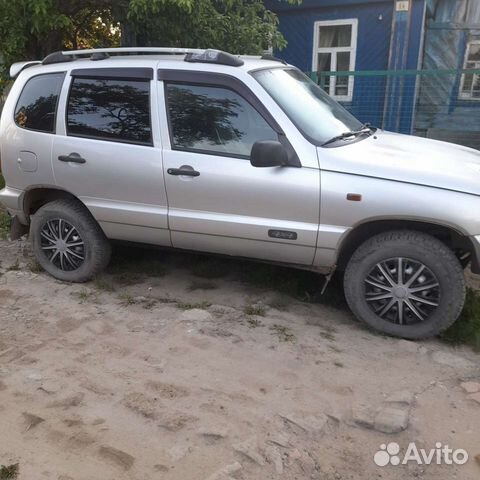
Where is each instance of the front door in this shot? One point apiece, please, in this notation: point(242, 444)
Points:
point(218, 201)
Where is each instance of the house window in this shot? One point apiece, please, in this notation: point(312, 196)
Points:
point(334, 50)
point(470, 87)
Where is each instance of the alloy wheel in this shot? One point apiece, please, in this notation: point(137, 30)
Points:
point(62, 244)
point(402, 291)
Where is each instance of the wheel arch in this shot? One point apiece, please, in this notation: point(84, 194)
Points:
point(38, 196)
point(451, 237)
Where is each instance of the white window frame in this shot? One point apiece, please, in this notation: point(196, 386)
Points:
point(461, 94)
point(333, 51)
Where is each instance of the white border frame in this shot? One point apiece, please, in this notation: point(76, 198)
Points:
point(352, 49)
point(461, 95)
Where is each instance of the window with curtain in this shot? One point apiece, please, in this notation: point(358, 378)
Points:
point(334, 50)
point(470, 86)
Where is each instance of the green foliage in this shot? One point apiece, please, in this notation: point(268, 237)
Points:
point(4, 224)
point(258, 310)
point(4, 218)
point(237, 26)
point(466, 330)
point(8, 473)
point(30, 29)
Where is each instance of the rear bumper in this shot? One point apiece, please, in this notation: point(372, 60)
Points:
point(12, 200)
point(476, 255)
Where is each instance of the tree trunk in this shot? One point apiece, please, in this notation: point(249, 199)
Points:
point(128, 35)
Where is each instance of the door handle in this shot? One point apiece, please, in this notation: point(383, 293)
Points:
point(183, 172)
point(72, 158)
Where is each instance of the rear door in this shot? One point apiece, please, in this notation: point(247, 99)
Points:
point(27, 142)
point(109, 155)
point(224, 204)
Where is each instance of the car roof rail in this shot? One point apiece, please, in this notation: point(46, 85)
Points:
point(191, 54)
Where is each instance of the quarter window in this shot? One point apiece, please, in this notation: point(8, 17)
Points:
point(37, 106)
point(110, 109)
point(334, 50)
point(470, 88)
point(214, 120)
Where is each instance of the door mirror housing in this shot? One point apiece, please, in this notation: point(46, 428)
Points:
point(269, 153)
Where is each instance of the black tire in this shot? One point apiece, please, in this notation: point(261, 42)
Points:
point(95, 251)
point(410, 247)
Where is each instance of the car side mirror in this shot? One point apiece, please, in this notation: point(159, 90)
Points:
point(268, 153)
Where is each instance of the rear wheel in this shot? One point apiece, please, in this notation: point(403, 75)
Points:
point(68, 242)
point(406, 284)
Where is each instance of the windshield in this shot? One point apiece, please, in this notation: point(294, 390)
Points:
point(313, 111)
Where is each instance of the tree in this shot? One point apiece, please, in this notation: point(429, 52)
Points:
point(30, 29)
point(237, 26)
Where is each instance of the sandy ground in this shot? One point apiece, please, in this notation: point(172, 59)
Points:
point(125, 380)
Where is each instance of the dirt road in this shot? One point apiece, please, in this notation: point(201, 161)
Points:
point(192, 373)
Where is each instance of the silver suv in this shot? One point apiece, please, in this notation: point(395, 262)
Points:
point(243, 156)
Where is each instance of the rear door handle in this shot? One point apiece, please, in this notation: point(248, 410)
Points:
point(72, 158)
point(183, 172)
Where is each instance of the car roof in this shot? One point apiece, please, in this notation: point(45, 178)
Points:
point(154, 61)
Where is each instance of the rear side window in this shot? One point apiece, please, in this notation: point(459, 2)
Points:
point(37, 106)
point(214, 120)
point(110, 109)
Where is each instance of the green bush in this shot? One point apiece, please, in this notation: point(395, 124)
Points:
point(467, 328)
point(4, 219)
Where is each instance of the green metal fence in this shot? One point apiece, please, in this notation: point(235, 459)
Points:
point(440, 104)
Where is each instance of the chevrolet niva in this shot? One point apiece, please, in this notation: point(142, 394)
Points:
point(244, 156)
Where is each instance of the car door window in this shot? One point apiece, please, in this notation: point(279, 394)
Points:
point(37, 106)
point(214, 120)
point(110, 109)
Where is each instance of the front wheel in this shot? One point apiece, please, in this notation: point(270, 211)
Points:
point(68, 242)
point(405, 284)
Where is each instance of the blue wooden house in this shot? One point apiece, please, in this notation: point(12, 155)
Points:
point(409, 58)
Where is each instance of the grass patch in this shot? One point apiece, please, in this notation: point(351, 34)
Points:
point(15, 267)
point(34, 266)
point(284, 334)
point(103, 284)
point(211, 268)
point(127, 299)
point(4, 218)
point(258, 310)
point(153, 268)
point(279, 303)
point(201, 285)
point(298, 284)
point(9, 473)
point(190, 306)
point(4, 224)
point(131, 265)
point(466, 330)
point(328, 333)
point(83, 295)
point(127, 279)
point(150, 303)
point(254, 323)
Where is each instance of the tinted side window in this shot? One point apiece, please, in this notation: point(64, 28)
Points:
point(110, 109)
point(214, 120)
point(37, 106)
